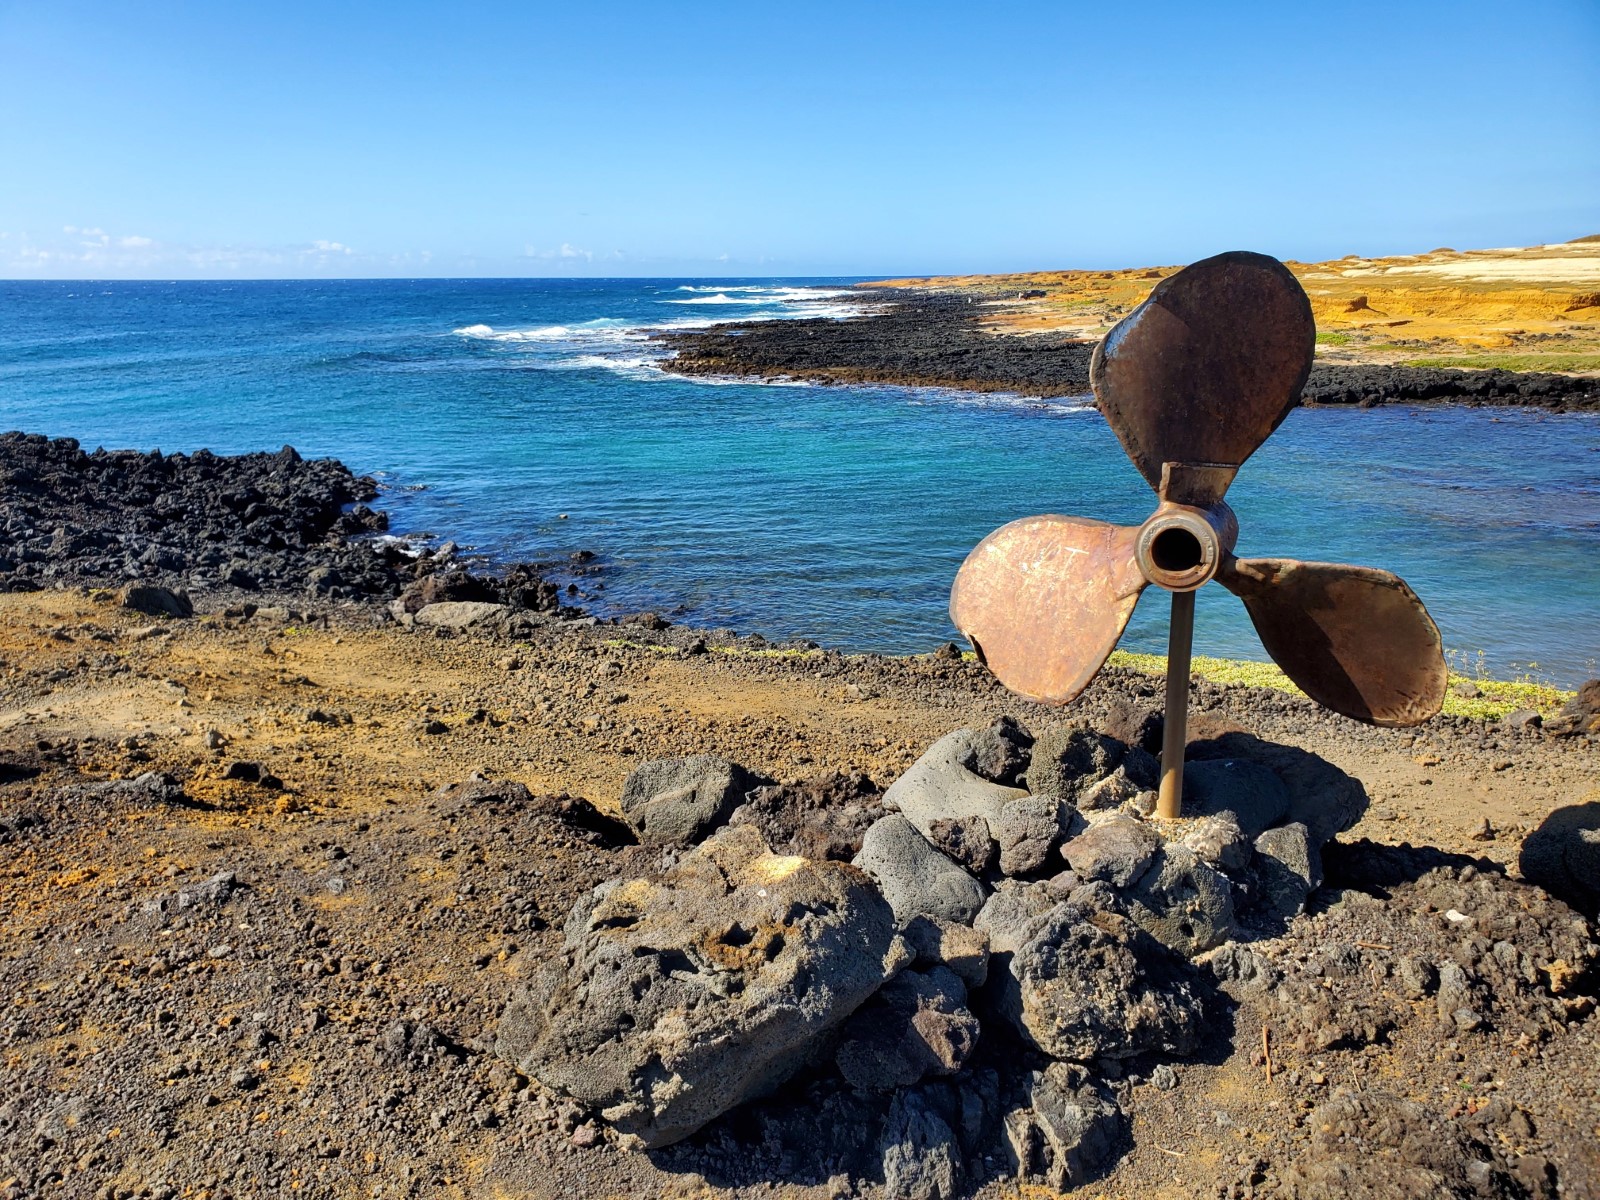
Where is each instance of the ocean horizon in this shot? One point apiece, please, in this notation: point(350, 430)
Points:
point(530, 418)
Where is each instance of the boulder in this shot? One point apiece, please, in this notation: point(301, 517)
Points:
point(1287, 869)
point(917, 1025)
point(486, 791)
point(1218, 842)
point(1064, 1130)
point(939, 943)
point(822, 816)
point(916, 879)
point(1109, 793)
point(1137, 722)
point(1580, 715)
point(1028, 832)
point(156, 601)
point(677, 801)
point(459, 614)
point(1317, 794)
point(967, 840)
point(921, 1157)
point(956, 777)
point(676, 999)
point(1010, 916)
point(1182, 902)
point(1091, 984)
point(1070, 759)
point(446, 587)
point(1249, 793)
point(1117, 850)
point(1563, 856)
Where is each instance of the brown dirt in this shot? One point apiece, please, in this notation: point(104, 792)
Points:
point(323, 1032)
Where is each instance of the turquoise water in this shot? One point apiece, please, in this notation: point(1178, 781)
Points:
point(490, 407)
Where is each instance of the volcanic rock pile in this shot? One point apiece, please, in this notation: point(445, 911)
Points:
point(249, 527)
point(1006, 895)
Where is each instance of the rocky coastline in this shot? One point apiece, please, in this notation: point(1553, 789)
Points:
point(334, 865)
point(933, 339)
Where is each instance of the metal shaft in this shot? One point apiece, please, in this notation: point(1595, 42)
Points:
point(1180, 640)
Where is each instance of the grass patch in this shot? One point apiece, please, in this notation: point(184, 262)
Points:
point(1513, 362)
point(1331, 337)
point(1495, 698)
point(775, 652)
point(626, 644)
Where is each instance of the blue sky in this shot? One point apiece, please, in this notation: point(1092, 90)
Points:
point(345, 139)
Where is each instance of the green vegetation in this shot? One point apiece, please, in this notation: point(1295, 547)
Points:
point(1495, 697)
point(733, 651)
point(1333, 337)
point(626, 644)
point(773, 652)
point(1513, 362)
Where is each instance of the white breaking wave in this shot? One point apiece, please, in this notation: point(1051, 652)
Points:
point(601, 330)
point(629, 349)
point(723, 298)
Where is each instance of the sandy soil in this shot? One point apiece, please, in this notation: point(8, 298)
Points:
point(325, 1032)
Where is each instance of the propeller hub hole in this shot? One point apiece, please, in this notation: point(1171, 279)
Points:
point(1176, 550)
point(1181, 547)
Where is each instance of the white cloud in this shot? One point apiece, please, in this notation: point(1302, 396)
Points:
point(134, 242)
point(565, 251)
point(325, 247)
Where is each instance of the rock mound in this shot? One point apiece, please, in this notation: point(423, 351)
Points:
point(678, 999)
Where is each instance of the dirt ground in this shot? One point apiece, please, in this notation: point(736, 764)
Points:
point(283, 979)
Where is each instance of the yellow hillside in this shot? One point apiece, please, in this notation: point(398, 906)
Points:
point(1532, 308)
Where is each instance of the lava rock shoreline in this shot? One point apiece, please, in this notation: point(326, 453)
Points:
point(936, 340)
point(252, 528)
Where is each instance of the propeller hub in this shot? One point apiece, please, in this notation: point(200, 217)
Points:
point(1181, 547)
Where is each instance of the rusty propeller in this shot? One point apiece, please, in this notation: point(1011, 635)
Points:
point(1193, 381)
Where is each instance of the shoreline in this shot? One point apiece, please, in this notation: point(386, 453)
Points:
point(931, 338)
point(296, 852)
point(275, 531)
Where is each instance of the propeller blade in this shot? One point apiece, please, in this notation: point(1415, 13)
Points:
point(1355, 639)
point(1043, 601)
point(1205, 369)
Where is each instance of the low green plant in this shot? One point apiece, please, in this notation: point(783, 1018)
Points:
point(1333, 337)
point(626, 644)
point(1493, 698)
point(772, 652)
point(1513, 362)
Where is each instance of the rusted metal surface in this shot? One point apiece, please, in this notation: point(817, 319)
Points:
point(1355, 639)
point(1175, 728)
point(1043, 600)
point(1193, 381)
point(1181, 547)
point(1207, 367)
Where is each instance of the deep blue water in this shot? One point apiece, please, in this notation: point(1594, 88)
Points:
point(490, 407)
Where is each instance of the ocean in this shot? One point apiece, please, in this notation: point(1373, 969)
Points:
point(526, 419)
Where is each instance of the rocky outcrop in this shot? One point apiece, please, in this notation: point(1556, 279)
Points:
point(677, 999)
point(975, 913)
